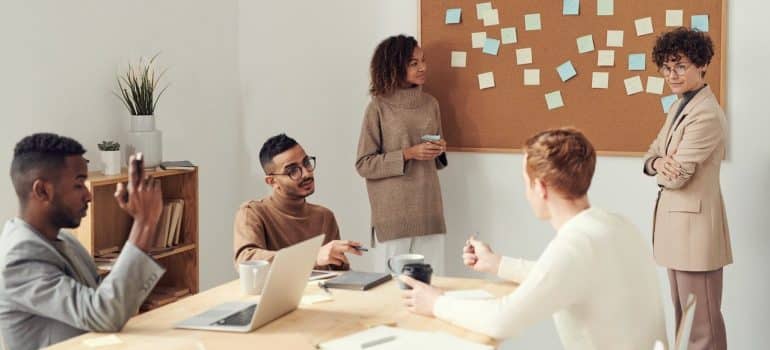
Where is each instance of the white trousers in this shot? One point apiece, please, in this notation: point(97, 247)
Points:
point(431, 246)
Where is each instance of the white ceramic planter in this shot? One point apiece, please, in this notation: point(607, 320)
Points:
point(141, 123)
point(111, 160)
point(142, 137)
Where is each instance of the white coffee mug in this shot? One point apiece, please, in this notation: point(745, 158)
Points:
point(253, 275)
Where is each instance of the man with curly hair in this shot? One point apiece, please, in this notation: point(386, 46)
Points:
point(690, 233)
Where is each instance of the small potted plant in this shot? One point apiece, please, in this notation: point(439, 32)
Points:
point(110, 151)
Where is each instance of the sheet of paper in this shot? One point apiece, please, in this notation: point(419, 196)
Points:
point(600, 80)
point(469, 294)
point(585, 43)
point(606, 58)
point(524, 56)
point(315, 298)
point(531, 77)
point(700, 22)
point(655, 85)
point(643, 26)
point(482, 8)
point(532, 21)
point(571, 8)
point(486, 80)
point(633, 85)
point(459, 58)
point(667, 101)
point(107, 340)
point(605, 7)
point(508, 35)
point(566, 71)
point(478, 39)
point(553, 100)
point(491, 46)
point(636, 61)
point(615, 38)
point(453, 16)
point(491, 18)
point(674, 18)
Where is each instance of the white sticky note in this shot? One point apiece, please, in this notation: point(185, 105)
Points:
point(478, 39)
point(469, 294)
point(531, 77)
point(482, 8)
point(643, 26)
point(600, 80)
point(102, 341)
point(524, 56)
point(486, 80)
point(606, 58)
point(633, 85)
point(532, 21)
point(614, 38)
point(585, 43)
point(553, 100)
point(655, 85)
point(491, 18)
point(459, 58)
point(674, 18)
point(605, 7)
point(508, 35)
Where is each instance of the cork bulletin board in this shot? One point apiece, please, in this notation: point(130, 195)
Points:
point(500, 118)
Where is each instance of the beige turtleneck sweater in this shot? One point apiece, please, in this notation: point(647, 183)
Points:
point(262, 227)
point(405, 196)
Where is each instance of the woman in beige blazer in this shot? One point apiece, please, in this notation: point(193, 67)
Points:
point(690, 234)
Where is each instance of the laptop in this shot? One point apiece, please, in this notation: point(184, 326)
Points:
point(283, 290)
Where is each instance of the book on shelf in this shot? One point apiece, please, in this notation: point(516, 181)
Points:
point(169, 228)
point(177, 165)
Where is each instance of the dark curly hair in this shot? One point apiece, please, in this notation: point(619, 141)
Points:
point(272, 147)
point(693, 44)
point(388, 67)
point(40, 155)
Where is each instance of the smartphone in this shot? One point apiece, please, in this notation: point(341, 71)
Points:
point(431, 138)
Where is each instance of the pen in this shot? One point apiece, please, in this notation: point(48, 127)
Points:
point(375, 342)
point(361, 249)
point(324, 287)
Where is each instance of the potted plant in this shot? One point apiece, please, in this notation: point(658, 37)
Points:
point(110, 152)
point(139, 92)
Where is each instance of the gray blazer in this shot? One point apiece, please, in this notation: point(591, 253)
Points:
point(43, 300)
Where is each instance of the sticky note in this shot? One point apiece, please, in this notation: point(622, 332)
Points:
point(482, 8)
point(491, 18)
point(606, 58)
point(478, 39)
point(486, 80)
point(600, 80)
point(508, 35)
point(531, 77)
point(571, 8)
point(453, 16)
point(532, 21)
point(615, 38)
point(636, 61)
point(585, 43)
point(655, 85)
point(605, 7)
point(524, 56)
point(107, 340)
point(700, 22)
point(553, 100)
point(566, 71)
point(643, 26)
point(633, 85)
point(674, 18)
point(459, 58)
point(491, 46)
point(667, 101)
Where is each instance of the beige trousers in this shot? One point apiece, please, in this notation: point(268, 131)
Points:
point(708, 326)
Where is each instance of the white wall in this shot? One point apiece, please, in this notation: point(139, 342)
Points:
point(58, 66)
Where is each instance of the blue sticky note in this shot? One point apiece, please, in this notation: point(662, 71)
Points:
point(636, 61)
point(453, 16)
point(491, 46)
point(667, 101)
point(700, 22)
point(571, 7)
point(566, 71)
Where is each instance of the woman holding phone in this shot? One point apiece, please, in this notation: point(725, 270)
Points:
point(400, 150)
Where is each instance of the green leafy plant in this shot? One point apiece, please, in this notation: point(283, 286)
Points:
point(138, 87)
point(109, 146)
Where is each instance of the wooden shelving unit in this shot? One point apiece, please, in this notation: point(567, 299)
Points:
point(106, 225)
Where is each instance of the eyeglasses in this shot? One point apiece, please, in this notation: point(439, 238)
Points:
point(679, 69)
point(294, 172)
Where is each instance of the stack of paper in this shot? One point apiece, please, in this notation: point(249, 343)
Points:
point(382, 338)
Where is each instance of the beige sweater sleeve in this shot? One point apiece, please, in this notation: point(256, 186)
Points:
point(249, 241)
point(372, 162)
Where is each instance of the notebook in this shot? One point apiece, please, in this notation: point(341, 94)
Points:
point(358, 280)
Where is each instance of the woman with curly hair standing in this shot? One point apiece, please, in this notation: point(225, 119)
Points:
point(398, 162)
point(690, 233)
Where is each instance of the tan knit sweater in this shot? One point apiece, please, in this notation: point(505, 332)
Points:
point(405, 196)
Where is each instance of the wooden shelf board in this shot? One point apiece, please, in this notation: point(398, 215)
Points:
point(96, 178)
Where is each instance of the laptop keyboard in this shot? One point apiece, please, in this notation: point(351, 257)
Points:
point(240, 318)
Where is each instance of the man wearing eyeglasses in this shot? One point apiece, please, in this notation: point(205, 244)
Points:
point(690, 233)
point(262, 227)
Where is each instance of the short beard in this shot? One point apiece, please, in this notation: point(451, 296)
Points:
point(60, 219)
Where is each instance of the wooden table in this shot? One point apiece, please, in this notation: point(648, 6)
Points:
point(349, 312)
